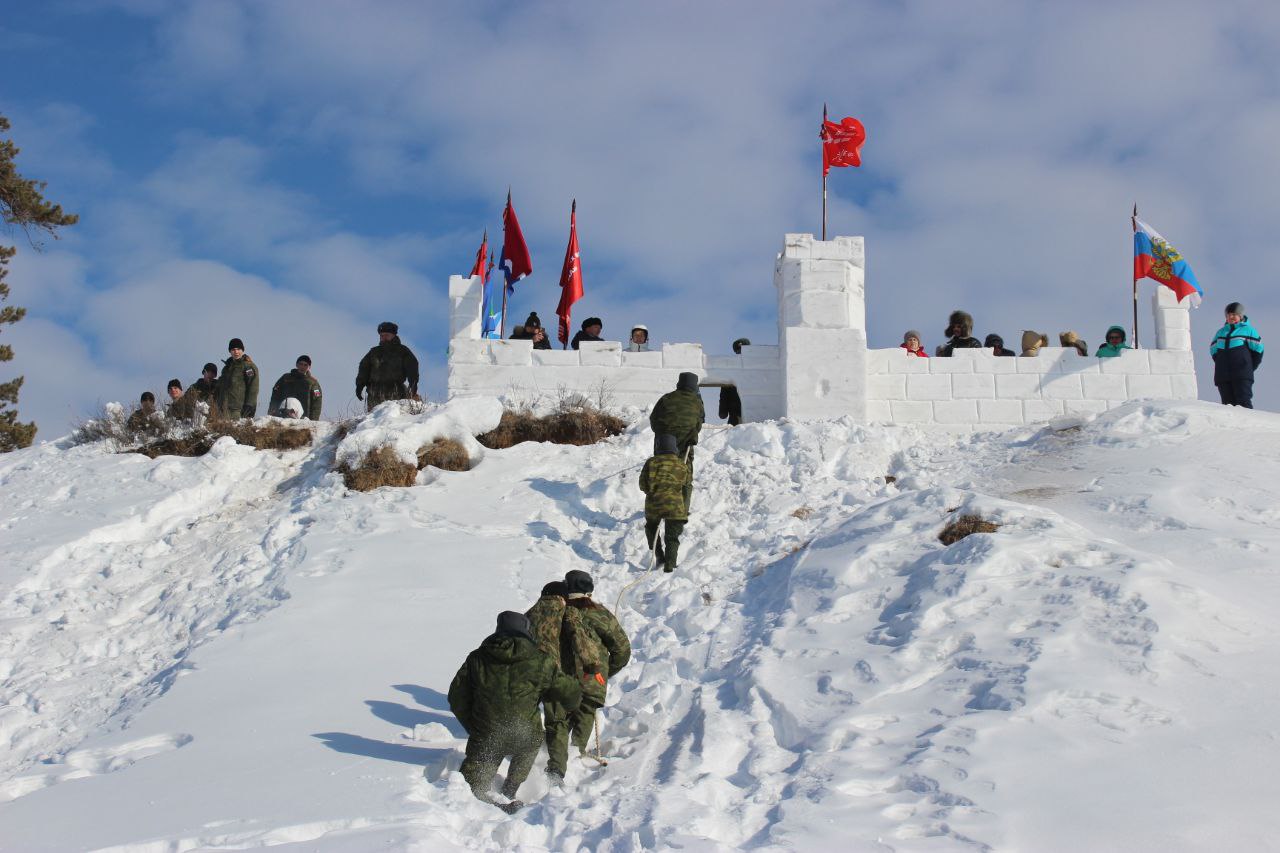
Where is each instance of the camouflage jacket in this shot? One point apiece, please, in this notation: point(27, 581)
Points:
point(389, 364)
point(183, 408)
point(679, 413)
point(303, 387)
point(501, 684)
point(206, 390)
point(662, 479)
point(595, 642)
point(238, 388)
point(546, 617)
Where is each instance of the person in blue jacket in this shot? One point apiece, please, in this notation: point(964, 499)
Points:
point(1237, 352)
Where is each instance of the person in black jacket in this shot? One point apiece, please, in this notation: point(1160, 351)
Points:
point(591, 328)
point(960, 334)
point(995, 343)
point(389, 371)
point(532, 330)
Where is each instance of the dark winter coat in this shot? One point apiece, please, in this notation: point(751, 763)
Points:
point(583, 335)
point(1237, 351)
point(662, 479)
point(206, 389)
point(238, 388)
point(501, 683)
point(1113, 350)
point(962, 321)
point(995, 343)
point(303, 387)
point(597, 644)
point(183, 408)
point(679, 413)
point(730, 405)
point(388, 367)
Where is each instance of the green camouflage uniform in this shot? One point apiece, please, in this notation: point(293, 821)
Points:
point(495, 696)
point(238, 388)
point(301, 386)
point(205, 389)
point(385, 370)
point(680, 413)
point(663, 480)
point(595, 648)
point(546, 618)
point(184, 408)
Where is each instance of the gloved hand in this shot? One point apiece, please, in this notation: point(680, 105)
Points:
point(359, 393)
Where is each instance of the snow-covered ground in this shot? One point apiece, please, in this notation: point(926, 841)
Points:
point(236, 651)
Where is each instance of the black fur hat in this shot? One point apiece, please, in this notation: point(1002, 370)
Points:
point(579, 581)
point(388, 326)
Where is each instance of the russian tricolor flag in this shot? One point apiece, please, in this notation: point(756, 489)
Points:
point(1154, 258)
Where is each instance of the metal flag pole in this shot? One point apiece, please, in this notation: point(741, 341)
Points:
point(502, 328)
point(821, 140)
point(1134, 222)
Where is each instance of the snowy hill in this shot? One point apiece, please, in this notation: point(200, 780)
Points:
point(236, 651)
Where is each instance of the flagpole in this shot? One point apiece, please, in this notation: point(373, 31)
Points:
point(1134, 222)
point(824, 174)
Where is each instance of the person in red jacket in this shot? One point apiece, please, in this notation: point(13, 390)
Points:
point(911, 343)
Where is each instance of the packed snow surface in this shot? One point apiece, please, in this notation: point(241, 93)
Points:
point(236, 651)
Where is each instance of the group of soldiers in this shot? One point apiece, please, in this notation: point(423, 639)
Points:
point(561, 653)
point(388, 371)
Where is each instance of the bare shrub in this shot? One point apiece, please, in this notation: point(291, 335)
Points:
point(965, 525)
point(445, 454)
point(575, 420)
point(274, 435)
point(195, 443)
point(802, 513)
point(381, 467)
point(155, 434)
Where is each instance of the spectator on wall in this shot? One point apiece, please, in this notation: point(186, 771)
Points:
point(995, 343)
point(1032, 341)
point(639, 339)
point(911, 343)
point(1115, 343)
point(959, 334)
point(1072, 340)
point(591, 328)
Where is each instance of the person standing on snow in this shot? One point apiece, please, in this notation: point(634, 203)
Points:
point(206, 387)
point(1237, 352)
point(300, 385)
point(495, 696)
point(389, 370)
point(546, 621)
point(662, 479)
point(238, 384)
point(680, 413)
point(596, 648)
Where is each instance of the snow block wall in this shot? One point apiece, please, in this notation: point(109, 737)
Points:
point(822, 367)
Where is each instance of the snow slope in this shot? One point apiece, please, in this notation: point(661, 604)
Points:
point(235, 651)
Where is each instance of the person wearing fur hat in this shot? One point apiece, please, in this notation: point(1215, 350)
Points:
point(532, 330)
point(238, 384)
point(1032, 342)
point(639, 339)
point(995, 343)
point(911, 343)
point(495, 697)
point(959, 334)
point(591, 328)
point(1237, 351)
point(1115, 343)
point(597, 649)
point(389, 370)
point(1072, 340)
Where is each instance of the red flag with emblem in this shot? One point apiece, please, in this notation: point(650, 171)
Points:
point(841, 142)
point(570, 277)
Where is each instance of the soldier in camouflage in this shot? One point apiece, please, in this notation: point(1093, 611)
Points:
point(206, 387)
point(495, 696)
point(182, 406)
point(663, 479)
point(238, 384)
point(594, 648)
point(389, 371)
point(681, 413)
point(302, 386)
point(546, 619)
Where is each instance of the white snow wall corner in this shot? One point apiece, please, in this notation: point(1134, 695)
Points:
point(822, 323)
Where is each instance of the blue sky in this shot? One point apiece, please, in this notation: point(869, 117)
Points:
point(293, 172)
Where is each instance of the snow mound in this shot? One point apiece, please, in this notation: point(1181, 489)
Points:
point(407, 426)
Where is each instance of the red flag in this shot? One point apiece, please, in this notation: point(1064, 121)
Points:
point(570, 277)
point(515, 260)
point(478, 268)
point(841, 143)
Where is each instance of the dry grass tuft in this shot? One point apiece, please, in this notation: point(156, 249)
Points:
point(580, 426)
point(802, 513)
point(965, 525)
point(445, 454)
point(157, 435)
point(382, 467)
point(270, 436)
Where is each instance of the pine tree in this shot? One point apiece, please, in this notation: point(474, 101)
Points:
point(21, 204)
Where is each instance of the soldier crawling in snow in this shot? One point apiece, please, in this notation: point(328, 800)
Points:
point(238, 384)
point(680, 413)
point(495, 696)
point(389, 370)
point(663, 479)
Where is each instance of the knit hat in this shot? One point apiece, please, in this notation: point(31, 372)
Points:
point(532, 322)
point(1234, 308)
point(147, 397)
point(210, 366)
point(739, 344)
point(667, 443)
point(388, 326)
point(305, 358)
point(174, 383)
point(911, 333)
point(993, 340)
point(511, 623)
point(578, 581)
point(592, 321)
point(555, 588)
point(687, 382)
point(235, 343)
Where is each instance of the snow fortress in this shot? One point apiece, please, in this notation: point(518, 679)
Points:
point(822, 368)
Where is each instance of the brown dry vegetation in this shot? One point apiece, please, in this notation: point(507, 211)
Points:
point(578, 426)
point(965, 525)
point(382, 467)
point(159, 436)
point(270, 436)
point(445, 454)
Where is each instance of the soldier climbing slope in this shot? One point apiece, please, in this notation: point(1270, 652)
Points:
point(389, 370)
point(302, 386)
point(238, 384)
point(495, 696)
point(663, 479)
point(594, 649)
point(680, 413)
point(546, 620)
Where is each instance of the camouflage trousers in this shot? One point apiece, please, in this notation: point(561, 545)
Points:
point(670, 538)
point(566, 725)
point(485, 751)
point(376, 394)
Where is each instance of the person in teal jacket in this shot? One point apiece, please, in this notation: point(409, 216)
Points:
point(1237, 352)
point(1115, 343)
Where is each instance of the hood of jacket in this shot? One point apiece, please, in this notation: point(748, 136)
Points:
point(1124, 337)
point(508, 648)
point(687, 382)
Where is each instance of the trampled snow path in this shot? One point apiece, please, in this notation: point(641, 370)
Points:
point(820, 674)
